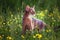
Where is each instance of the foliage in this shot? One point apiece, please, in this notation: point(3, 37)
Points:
point(11, 13)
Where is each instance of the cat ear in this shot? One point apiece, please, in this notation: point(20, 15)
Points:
point(27, 8)
point(33, 6)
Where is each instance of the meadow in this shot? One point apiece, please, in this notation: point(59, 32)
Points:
point(11, 30)
point(11, 14)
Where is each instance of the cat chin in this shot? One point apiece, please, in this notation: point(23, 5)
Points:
point(34, 15)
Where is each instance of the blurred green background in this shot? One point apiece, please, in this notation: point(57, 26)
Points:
point(11, 13)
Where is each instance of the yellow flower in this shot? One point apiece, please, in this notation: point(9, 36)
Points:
point(42, 14)
point(9, 37)
point(4, 23)
point(46, 10)
point(11, 15)
point(0, 36)
point(41, 17)
point(47, 30)
point(34, 36)
point(39, 35)
point(52, 18)
point(22, 36)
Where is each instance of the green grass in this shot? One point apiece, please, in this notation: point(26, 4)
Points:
point(10, 29)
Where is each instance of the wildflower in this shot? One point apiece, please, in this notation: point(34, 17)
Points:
point(0, 36)
point(47, 30)
point(41, 17)
point(34, 36)
point(4, 23)
point(39, 35)
point(52, 18)
point(9, 37)
point(46, 10)
point(22, 36)
point(42, 14)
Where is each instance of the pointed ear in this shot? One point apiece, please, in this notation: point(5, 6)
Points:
point(27, 8)
point(33, 6)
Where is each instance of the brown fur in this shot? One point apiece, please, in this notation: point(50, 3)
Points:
point(27, 22)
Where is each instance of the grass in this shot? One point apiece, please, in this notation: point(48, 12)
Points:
point(11, 29)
